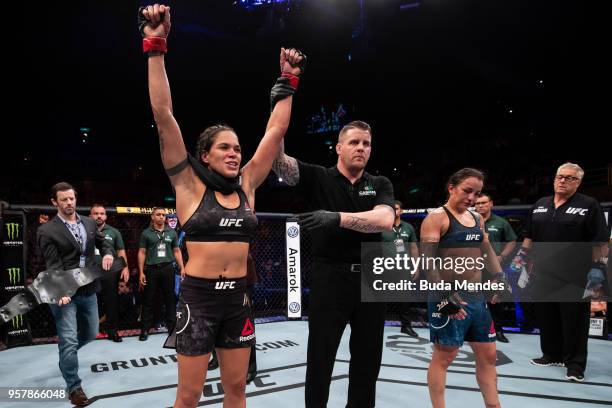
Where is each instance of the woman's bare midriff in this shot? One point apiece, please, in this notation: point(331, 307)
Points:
point(211, 259)
point(470, 275)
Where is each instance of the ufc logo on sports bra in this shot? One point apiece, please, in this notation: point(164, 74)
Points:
point(228, 222)
point(581, 211)
point(225, 285)
point(472, 237)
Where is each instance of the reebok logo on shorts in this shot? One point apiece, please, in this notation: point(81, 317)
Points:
point(492, 330)
point(248, 331)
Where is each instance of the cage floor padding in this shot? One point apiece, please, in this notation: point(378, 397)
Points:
point(143, 374)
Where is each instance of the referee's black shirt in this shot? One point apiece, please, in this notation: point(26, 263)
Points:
point(327, 189)
point(579, 220)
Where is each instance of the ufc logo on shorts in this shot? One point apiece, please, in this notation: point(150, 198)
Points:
point(225, 285)
point(228, 222)
point(472, 237)
point(581, 211)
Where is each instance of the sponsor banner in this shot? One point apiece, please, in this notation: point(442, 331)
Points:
point(141, 210)
point(18, 332)
point(13, 276)
point(294, 277)
point(13, 230)
point(13, 279)
point(12, 259)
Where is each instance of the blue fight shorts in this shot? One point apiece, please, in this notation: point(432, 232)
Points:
point(477, 327)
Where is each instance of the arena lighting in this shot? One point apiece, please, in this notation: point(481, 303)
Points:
point(409, 5)
point(250, 4)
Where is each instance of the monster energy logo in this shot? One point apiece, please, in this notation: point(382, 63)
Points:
point(12, 230)
point(14, 275)
point(18, 326)
point(17, 322)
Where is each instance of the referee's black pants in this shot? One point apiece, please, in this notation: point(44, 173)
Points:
point(564, 332)
point(335, 300)
point(110, 299)
point(159, 276)
point(497, 314)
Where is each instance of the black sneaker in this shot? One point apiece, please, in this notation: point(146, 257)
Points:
point(213, 364)
point(114, 336)
point(409, 331)
point(251, 376)
point(500, 336)
point(545, 362)
point(574, 375)
point(144, 335)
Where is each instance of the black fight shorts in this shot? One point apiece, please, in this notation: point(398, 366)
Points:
point(212, 313)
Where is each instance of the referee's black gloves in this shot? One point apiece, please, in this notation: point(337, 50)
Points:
point(319, 219)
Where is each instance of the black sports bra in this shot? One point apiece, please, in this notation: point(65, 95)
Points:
point(460, 236)
point(212, 222)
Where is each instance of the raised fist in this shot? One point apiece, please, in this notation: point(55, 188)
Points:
point(292, 61)
point(154, 21)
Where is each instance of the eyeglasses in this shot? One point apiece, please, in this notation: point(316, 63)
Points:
point(560, 177)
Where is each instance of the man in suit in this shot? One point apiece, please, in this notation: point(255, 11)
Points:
point(67, 241)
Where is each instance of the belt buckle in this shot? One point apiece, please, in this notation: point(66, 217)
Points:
point(356, 268)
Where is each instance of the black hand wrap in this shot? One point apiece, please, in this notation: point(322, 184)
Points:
point(281, 90)
point(449, 304)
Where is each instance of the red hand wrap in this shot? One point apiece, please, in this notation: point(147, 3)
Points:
point(294, 80)
point(158, 44)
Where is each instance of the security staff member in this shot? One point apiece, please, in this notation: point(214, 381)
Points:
point(567, 216)
point(158, 250)
point(356, 207)
point(503, 240)
point(404, 239)
point(110, 280)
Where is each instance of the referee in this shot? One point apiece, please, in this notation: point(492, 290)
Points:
point(569, 217)
point(354, 207)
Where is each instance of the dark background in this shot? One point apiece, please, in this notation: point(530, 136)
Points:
point(436, 79)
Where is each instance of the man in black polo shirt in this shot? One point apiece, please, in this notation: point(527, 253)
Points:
point(110, 280)
point(158, 250)
point(354, 207)
point(565, 217)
